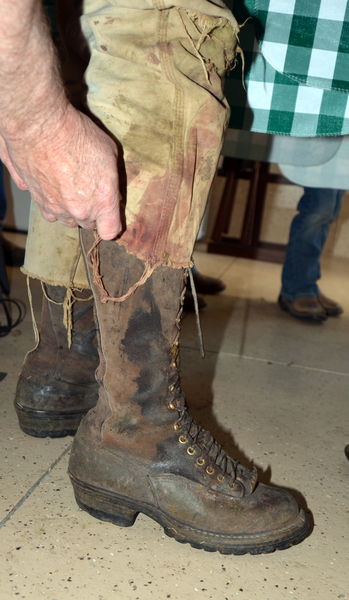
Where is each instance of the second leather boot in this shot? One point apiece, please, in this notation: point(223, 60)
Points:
point(57, 383)
point(139, 450)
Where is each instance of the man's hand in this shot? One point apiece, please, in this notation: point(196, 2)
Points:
point(70, 169)
point(68, 163)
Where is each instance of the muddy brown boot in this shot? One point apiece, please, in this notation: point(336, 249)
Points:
point(140, 451)
point(57, 384)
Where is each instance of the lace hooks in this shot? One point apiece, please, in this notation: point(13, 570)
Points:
point(198, 324)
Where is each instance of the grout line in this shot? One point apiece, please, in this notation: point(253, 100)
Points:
point(244, 328)
point(228, 267)
point(269, 361)
point(33, 488)
point(294, 365)
point(220, 274)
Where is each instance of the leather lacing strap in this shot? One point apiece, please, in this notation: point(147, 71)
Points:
point(67, 307)
point(197, 316)
point(104, 296)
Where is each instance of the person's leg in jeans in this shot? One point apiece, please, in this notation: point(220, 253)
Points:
point(300, 294)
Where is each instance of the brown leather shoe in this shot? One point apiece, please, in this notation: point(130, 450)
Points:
point(14, 255)
point(306, 308)
point(140, 451)
point(57, 384)
point(189, 304)
point(207, 285)
point(203, 285)
point(332, 308)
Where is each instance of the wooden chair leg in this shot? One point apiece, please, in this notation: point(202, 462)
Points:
point(248, 245)
point(226, 205)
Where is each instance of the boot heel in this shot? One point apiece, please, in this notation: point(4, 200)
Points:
point(39, 423)
point(103, 505)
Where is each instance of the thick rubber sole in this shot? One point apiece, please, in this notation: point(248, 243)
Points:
point(114, 508)
point(39, 423)
point(332, 312)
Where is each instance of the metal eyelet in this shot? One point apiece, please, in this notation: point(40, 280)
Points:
point(171, 406)
point(191, 450)
point(182, 439)
point(209, 470)
point(220, 478)
point(171, 387)
point(173, 364)
point(176, 426)
point(200, 461)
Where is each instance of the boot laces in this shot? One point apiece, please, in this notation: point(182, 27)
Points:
point(195, 433)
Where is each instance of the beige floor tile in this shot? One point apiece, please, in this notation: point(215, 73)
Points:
point(222, 324)
point(272, 334)
point(263, 330)
point(24, 461)
point(265, 406)
point(214, 265)
point(335, 280)
point(52, 550)
point(290, 420)
point(253, 279)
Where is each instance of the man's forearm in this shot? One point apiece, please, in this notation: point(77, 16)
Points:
point(31, 91)
point(67, 162)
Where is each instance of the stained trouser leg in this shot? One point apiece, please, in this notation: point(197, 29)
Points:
point(317, 209)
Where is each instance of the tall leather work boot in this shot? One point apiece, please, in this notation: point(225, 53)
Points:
point(57, 384)
point(139, 449)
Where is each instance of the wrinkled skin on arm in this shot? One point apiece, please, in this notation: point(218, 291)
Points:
point(66, 161)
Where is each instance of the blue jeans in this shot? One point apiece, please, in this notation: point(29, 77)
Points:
point(317, 209)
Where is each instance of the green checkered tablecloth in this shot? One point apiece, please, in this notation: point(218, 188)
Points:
point(296, 68)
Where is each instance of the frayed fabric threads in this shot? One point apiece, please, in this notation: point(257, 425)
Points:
point(67, 308)
point(93, 255)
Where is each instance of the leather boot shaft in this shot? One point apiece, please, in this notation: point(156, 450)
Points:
point(139, 450)
point(137, 337)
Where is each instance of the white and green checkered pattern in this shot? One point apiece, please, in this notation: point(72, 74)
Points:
point(297, 75)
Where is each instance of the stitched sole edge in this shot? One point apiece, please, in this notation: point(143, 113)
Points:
point(48, 424)
point(119, 510)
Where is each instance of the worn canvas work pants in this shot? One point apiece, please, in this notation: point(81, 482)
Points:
point(155, 81)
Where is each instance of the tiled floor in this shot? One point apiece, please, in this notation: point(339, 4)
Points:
point(273, 389)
